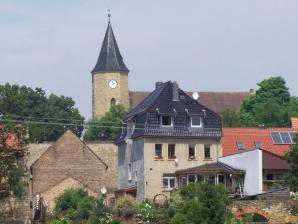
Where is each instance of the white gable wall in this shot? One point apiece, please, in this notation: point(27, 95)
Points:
point(251, 162)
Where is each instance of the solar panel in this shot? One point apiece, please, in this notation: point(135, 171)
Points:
point(293, 136)
point(286, 138)
point(276, 138)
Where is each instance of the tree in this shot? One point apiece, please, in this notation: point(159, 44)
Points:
point(271, 106)
point(203, 203)
point(21, 103)
point(106, 127)
point(13, 147)
point(291, 177)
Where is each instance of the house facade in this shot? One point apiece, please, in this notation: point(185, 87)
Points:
point(166, 133)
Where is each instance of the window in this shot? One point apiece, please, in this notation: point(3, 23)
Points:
point(196, 121)
point(130, 129)
point(158, 151)
point(182, 181)
point(171, 151)
point(269, 176)
point(240, 145)
point(207, 151)
point(221, 179)
point(129, 172)
point(136, 176)
point(166, 120)
point(195, 178)
point(192, 151)
point(169, 182)
point(258, 145)
point(113, 102)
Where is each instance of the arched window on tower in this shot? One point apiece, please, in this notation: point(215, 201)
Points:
point(113, 102)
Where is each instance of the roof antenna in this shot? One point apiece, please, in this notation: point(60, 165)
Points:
point(109, 15)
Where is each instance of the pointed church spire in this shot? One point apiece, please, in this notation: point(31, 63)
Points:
point(110, 59)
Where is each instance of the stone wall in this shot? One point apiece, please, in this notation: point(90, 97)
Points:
point(14, 210)
point(276, 210)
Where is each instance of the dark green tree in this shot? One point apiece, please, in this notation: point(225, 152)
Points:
point(203, 203)
point(271, 106)
point(291, 177)
point(33, 107)
point(106, 127)
point(13, 147)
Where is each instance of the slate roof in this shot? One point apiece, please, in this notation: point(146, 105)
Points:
point(110, 59)
point(248, 136)
point(216, 101)
point(160, 102)
point(211, 167)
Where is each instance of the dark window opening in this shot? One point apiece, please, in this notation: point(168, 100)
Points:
point(191, 151)
point(258, 145)
point(166, 120)
point(269, 176)
point(240, 145)
point(158, 151)
point(171, 151)
point(113, 102)
point(207, 151)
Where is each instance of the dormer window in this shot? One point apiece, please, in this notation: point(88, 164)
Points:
point(166, 121)
point(196, 121)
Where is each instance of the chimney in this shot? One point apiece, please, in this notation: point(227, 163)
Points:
point(158, 85)
point(175, 91)
point(294, 122)
point(252, 91)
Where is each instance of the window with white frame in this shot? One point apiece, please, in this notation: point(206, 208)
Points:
point(169, 182)
point(191, 151)
point(166, 121)
point(196, 121)
point(129, 172)
point(194, 178)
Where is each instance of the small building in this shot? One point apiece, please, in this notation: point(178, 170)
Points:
point(167, 132)
point(260, 152)
point(67, 163)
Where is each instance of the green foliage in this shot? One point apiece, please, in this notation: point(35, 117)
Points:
point(76, 206)
point(271, 106)
point(146, 213)
point(13, 147)
point(291, 177)
point(203, 203)
point(21, 102)
point(106, 127)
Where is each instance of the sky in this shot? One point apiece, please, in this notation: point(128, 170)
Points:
point(210, 45)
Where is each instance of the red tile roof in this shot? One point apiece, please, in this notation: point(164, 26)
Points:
point(216, 101)
point(294, 121)
point(249, 136)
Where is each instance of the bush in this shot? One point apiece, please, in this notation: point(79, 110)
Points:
point(76, 206)
point(146, 213)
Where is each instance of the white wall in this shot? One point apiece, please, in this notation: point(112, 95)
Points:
point(251, 162)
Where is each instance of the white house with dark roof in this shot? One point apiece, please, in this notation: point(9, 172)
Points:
point(168, 141)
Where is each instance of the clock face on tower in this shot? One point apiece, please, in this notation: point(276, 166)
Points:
point(113, 84)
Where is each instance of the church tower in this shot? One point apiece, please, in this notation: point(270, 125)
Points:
point(109, 77)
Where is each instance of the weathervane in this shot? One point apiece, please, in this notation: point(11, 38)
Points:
point(109, 15)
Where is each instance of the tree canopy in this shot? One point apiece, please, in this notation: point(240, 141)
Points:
point(106, 127)
point(32, 106)
point(271, 106)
